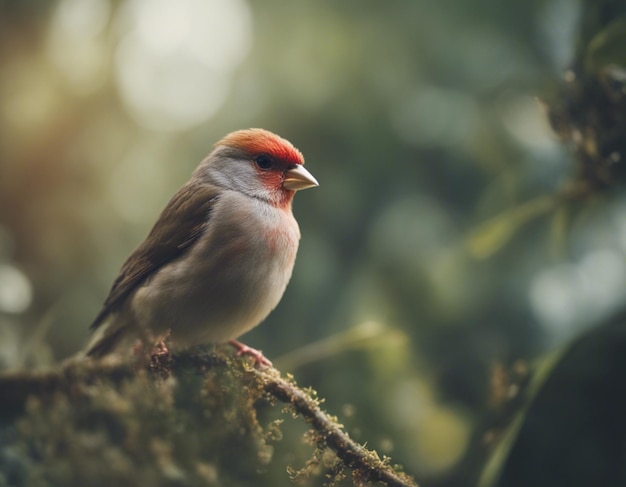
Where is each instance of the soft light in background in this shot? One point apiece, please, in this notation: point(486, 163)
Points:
point(417, 117)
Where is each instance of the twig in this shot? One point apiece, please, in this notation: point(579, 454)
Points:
point(331, 434)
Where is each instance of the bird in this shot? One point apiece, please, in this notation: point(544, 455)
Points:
point(219, 257)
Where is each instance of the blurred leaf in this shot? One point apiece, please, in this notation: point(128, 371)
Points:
point(500, 454)
point(608, 47)
point(558, 230)
point(370, 334)
point(489, 237)
point(572, 432)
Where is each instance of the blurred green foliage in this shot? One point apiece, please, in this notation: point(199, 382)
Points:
point(420, 121)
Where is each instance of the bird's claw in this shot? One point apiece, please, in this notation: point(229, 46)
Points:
point(257, 355)
point(160, 349)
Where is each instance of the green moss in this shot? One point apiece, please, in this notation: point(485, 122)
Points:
point(187, 431)
point(184, 420)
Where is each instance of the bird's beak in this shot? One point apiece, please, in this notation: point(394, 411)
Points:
point(299, 178)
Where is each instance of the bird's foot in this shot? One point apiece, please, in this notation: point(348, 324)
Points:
point(160, 359)
point(160, 349)
point(257, 355)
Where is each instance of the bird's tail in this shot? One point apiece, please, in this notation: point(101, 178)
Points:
point(104, 341)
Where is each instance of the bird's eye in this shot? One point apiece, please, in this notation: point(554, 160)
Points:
point(264, 162)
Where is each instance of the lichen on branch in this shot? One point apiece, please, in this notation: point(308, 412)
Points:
point(184, 419)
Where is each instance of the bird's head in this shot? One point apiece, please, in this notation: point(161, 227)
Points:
point(259, 164)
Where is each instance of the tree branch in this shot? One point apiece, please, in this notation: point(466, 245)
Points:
point(367, 463)
point(16, 387)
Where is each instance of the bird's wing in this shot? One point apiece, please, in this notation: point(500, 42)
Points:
point(178, 227)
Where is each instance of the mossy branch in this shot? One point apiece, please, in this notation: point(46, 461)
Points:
point(370, 467)
point(17, 387)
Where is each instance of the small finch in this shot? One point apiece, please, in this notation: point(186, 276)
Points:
point(219, 257)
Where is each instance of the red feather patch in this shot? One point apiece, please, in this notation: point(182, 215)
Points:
point(259, 141)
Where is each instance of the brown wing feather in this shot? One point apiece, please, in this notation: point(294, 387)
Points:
point(177, 228)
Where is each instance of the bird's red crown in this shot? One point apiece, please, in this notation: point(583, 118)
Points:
point(260, 141)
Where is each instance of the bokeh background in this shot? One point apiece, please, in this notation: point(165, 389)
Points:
point(420, 120)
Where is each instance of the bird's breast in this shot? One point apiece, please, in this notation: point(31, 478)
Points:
point(233, 276)
point(249, 230)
